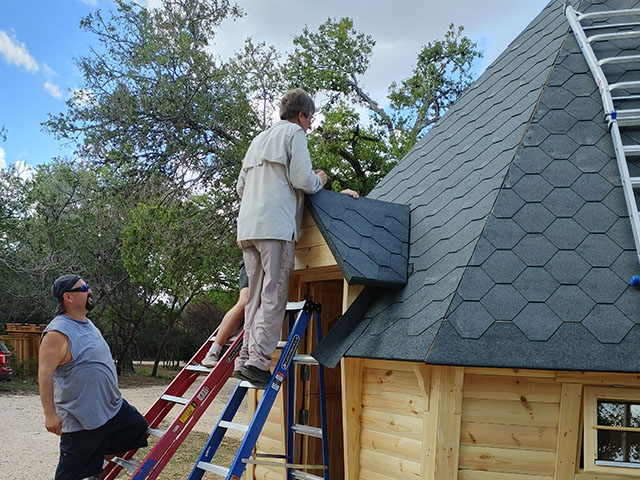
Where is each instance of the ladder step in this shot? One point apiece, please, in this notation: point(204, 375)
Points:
point(281, 344)
point(628, 113)
point(198, 368)
point(603, 37)
point(234, 426)
point(130, 465)
point(620, 59)
point(305, 360)
point(624, 85)
point(608, 26)
point(634, 181)
point(295, 306)
point(632, 150)
point(608, 14)
point(248, 384)
point(156, 432)
point(307, 430)
point(253, 461)
point(210, 467)
point(627, 98)
point(171, 398)
point(297, 474)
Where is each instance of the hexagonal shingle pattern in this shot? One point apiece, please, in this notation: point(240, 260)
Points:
point(526, 162)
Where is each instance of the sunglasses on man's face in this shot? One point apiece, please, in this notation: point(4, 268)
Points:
point(82, 288)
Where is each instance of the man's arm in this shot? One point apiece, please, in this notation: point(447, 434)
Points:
point(301, 174)
point(54, 351)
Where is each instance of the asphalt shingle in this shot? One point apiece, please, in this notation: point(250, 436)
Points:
point(520, 245)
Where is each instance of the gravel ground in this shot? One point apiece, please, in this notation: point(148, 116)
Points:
point(31, 453)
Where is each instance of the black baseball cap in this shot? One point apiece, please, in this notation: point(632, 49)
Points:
point(63, 283)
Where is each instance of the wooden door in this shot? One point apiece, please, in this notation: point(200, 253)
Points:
point(329, 295)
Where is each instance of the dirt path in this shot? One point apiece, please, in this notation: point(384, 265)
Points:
point(29, 452)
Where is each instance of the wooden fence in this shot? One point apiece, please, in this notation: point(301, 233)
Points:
point(24, 342)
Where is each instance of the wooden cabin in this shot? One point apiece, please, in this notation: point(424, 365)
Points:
point(506, 346)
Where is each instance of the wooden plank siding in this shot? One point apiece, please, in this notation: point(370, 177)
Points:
point(391, 423)
point(312, 250)
point(509, 425)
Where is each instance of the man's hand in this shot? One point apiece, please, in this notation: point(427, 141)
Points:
point(53, 424)
point(351, 193)
point(322, 176)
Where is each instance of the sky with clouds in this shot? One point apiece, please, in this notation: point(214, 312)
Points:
point(39, 40)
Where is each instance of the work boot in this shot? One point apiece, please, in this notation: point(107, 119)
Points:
point(211, 359)
point(260, 378)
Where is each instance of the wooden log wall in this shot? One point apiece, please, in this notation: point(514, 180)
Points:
point(414, 421)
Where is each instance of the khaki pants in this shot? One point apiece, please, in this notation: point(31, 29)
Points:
point(269, 264)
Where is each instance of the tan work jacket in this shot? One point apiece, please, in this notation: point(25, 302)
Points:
point(276, 174)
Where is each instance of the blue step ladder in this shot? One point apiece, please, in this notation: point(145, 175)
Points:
point(288, 359)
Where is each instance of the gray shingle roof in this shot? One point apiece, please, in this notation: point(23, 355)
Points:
point(369, 238)
point(520, 243)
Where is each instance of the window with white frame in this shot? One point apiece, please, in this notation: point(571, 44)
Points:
point(612, 430)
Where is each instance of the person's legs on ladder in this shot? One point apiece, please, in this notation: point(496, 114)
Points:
point(277, 261)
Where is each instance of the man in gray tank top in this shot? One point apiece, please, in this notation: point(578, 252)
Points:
point(79, 388)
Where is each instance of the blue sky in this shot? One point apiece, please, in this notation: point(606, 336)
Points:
point(39, 40)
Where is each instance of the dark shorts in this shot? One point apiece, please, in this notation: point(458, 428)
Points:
point(82, 453)
point(243, 280)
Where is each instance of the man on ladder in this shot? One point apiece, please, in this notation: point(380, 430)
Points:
point(276, 174)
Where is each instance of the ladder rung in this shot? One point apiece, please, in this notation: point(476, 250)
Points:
point(171, 398)
point(297, 474)
point(210, 467)
point(603, 37)
point(156, 432)
point(627, 98)
point(248, 384)
point(130, 465)
point(632, 150)
point(603, 26)
point(620, 59)
point(634, 181)
point(608, 14)
point(295, 306)
point(198, 368)
point(628, 112)
point(307, 430)
point(281, 344)
point(234, 426)
point(621, 85)
point(305, 360)
point(229, 341)
point(253, 461)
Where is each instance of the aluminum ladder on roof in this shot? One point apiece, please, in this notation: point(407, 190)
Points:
point(600, 29)
point(192, 406)
point(287, 360)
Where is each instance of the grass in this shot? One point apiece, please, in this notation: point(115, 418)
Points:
point(183, 461)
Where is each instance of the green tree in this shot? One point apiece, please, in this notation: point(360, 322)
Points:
point(154, 98)
point(258, 71)
point(332, 60)
point(178, 248)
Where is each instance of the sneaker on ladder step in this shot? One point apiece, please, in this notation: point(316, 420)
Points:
point(211, 359)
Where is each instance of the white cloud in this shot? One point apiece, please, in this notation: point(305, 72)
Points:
point(53, 89)
point(24, 170)
point(91, 3)
point(3, 159)
point(16, 53)
point(48, 71)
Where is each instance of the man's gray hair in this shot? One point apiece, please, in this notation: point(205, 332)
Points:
point(294, 102)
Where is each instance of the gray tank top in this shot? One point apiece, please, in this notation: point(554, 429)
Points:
point(85, 390)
